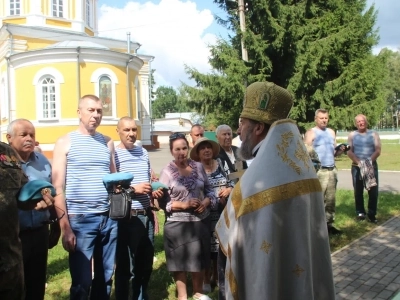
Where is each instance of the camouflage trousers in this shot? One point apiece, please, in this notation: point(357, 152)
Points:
point(328, 180)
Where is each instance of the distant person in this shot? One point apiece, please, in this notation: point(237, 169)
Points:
point(36, 238)
point(80, 160)
point(187, 225)
point(196, 132)
point(135, 244)
point(273, 228)
point(323, 140)
point(229, 153)
point(365, 148)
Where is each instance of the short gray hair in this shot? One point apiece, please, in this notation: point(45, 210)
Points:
point(322, 111)
point(222, 127)
point(10, 127)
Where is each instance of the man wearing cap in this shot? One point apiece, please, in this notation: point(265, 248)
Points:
point(273, 229)
point(323, 140)
point(34, 229)
point(81, 159)
point(135, 244)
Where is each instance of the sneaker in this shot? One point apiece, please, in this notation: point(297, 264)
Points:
point(361, 217)
point(206, 288)
point(333, 231)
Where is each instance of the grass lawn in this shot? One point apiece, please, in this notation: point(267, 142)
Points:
point(388, 160)
point(162, 286)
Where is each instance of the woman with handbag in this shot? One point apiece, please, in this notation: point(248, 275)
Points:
point(206, 151)
point(187, 226)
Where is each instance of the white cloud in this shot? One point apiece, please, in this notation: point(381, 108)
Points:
point(173, 31)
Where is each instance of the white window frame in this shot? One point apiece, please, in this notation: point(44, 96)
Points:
point(58, 78)
point(95, 79)
point(15, 2)
point(63, 5)
point(138, 97)
point(89, 13)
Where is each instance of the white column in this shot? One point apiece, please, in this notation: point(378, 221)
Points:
point(144, 113)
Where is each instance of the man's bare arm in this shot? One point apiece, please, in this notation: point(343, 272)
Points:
point(309, 137)
point(350, 153)
point(378, 146)
point(59, 168)
point(110, 145)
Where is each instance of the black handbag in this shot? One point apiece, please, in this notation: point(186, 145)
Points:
point(120, 204)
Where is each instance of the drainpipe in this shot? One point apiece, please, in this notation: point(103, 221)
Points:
point(78, 74)
point(128, 89)
point(10, 52)
point(9, 90)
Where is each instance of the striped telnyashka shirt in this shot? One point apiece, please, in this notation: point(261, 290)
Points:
point(88, 160)
point(135, 161)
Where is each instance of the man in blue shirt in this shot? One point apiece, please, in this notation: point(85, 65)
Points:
point(34, 229)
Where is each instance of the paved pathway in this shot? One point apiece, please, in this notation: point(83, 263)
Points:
point(369, 268)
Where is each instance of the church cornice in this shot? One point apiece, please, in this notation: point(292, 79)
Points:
point(59, 55)
point(58, 35)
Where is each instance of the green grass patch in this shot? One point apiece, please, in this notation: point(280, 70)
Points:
point(388, 160)
point(162, 285)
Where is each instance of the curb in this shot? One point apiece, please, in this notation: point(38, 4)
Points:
point(356, 240)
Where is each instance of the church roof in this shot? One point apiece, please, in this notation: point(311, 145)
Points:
point(75, 44)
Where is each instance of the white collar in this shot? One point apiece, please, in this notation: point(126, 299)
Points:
point(255, 149)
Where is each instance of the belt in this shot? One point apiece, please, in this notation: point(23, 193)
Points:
point(328, 168)
point(137, 212)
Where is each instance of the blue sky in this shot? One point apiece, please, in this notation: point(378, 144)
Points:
point(178, 32)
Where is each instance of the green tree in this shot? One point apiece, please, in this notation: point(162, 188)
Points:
point(168, 101)
point(319, 50)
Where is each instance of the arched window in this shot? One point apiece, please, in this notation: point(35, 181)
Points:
point(89, 13)
point(58, 8)
point(105, 95)
point(105, 81)
point(48, 99)
point(15, 7)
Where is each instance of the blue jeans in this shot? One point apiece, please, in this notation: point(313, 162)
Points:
point(96, 236)
point(358, 185)
point(135, 252)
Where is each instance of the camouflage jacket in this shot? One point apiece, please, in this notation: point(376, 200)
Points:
point(12, 179)
point(314, 157)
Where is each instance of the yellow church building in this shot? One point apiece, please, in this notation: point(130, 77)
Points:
point(51, 55)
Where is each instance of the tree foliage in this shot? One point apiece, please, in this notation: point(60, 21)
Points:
point(321, 51)
point(168, 101)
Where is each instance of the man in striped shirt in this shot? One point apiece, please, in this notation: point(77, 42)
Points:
point(81, 158)
point(135, 245)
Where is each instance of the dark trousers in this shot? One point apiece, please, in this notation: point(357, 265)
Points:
point(221, 265)
point(35, 245)
point(135, 253)
point(358, 185)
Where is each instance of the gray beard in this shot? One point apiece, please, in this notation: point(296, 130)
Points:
point(246, 151)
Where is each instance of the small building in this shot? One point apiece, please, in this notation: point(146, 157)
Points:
point(51, 55)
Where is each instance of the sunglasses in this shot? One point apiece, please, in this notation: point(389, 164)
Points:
point(177, 135)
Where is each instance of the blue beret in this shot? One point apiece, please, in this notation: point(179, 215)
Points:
point(157, 185)
point(346, 147)
point(32, 190)
point(122, 178)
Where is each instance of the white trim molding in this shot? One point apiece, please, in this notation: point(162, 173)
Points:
point(58, 78)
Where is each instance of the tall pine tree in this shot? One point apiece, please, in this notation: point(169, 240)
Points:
point(321, 51)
